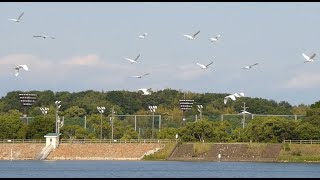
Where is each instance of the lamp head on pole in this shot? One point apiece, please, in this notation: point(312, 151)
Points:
point(152, 108)
point(200, 107)
point(44, 110)
point(57, 104)
point(101, 109)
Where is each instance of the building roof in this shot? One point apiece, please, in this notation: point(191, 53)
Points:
point(52, 135)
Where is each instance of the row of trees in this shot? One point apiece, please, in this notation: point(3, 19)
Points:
point(76, 106)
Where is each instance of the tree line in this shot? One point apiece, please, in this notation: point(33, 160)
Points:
point(83, 121)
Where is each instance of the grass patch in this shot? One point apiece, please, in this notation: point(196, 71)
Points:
point(162, 154)
point(300, 153)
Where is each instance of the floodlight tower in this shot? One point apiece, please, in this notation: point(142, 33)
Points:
point(152, 109)
point(101, 111)
point(57, 116)
point(111, 121)
point(200, 107)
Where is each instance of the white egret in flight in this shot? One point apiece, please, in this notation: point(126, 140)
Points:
point(143, 35)
point(213, 39)
point(17, 68)
point(140, 76)
point(250, 66)
point(44, 36)
point(17, 20)
point(233, 97)
point(191, 37)
point(145, 91)
point(133, 61)
point(309, 59)
point(204, 66)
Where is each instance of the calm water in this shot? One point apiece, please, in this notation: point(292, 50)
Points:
point(160, 169)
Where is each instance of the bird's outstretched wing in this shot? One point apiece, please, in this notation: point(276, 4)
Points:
point(201, 65)
point(25, 67)
point(230, 96)
point(145, 91)
point(20, 16)
point(137, 57)
point(305, 56)
point(38, 36)
point(254, 64)
point(196, 33)
point(209, 64)
point(145, 74)
point(313, 55)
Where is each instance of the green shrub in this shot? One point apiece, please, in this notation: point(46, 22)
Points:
point(286, 147)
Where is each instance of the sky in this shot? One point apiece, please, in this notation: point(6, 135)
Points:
point(93, 38)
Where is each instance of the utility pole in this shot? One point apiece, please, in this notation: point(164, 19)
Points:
point(244, 112)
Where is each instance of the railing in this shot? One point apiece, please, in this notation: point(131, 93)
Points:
point(117, 141)
point(22, 141)
point(302, 141)
point(90, 140)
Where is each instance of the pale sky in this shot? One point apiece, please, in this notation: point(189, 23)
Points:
point(93, 38)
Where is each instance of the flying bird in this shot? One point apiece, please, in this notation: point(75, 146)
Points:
point(44, 36)
point(143, 35)
point(233, 97)
point(133, 61)
point(204, 66)
point(191, 37)
point(215, 38)
point(17, 20)
point(17, 68)
point(309, 59)
point(140, 76)
point(145, 91)
point(250, 66)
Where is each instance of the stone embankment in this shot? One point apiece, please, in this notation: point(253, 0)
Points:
point(20, 151)
point(103, 151)
point(85, 151)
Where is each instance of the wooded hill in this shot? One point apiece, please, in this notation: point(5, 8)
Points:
point(82, 119)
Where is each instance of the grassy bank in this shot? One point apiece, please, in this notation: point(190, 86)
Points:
point(162, 154)
point(288, 152)
point(299, 153)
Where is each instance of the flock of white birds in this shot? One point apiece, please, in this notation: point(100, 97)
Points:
point(147, 91)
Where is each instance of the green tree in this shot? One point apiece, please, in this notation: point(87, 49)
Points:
point(130, 133)
point(41, 126)
point(11, 127)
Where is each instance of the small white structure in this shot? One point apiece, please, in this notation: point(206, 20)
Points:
point(52, 139)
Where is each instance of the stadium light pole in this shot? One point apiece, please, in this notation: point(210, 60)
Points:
point(152, 109)
point(44, 111)
point(111, 119)
point(57, 117)
point(101, 111)
point(200, 107)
